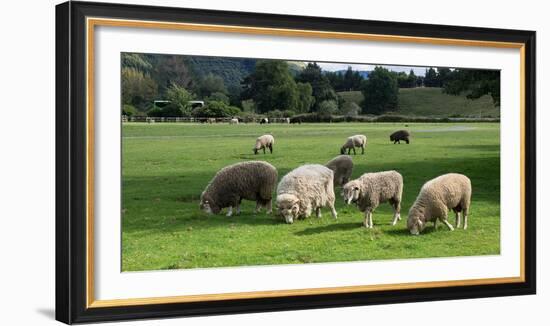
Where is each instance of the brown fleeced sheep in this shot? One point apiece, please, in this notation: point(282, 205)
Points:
point(305, 189)
point(399, 135)
point(342, 166)
point(352, 142)
point(372, 189)
point(436, 198)
point(254, 180)
point(263, 142)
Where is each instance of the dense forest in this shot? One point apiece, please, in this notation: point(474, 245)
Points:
point(277, 88)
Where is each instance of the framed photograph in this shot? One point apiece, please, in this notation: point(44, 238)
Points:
point(212, 162)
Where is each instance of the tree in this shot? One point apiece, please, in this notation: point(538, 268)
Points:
point(474, 83)
point(305, 97)
point(210, 84)
point(170, 69)
point(218, 96)
point(138, 89)
point(350, 109)
point(327, 108)
point(380, 91)
point(322, 90)
point(271, 86)
point(352, 80)
point(179, 99)
point(430, 78)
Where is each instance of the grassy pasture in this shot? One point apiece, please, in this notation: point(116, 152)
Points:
point(166, 167)
point(432, 102)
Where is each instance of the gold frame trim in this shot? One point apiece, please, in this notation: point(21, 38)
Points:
point(92, 22)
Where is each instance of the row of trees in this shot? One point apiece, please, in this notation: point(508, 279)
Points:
point(276, 89)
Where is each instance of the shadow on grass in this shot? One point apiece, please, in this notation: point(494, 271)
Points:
point(330, 228)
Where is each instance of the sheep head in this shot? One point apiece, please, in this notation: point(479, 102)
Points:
point(415, 222)
point(288, 206)
point(208, 205)
point(351, 192)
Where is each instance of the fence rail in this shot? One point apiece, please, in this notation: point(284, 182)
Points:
point(199, 120)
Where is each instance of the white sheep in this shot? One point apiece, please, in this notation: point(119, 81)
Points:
point(253, 180)
point(263, 142)
point(436, 198)
point(305, 189)
point(342, 166)
point(234, 121)
point(352, 142)
point(372, 189)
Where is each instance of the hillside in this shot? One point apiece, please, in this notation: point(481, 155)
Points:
point(432, 102)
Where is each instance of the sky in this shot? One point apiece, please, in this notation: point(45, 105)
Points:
point(329, 66)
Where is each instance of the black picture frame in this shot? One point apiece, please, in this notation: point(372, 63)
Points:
point(71, 158)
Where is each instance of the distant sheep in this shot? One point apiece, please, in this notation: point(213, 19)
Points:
point(352, 142)
point(263, 142)
point(234, 121)
point(399, 135)
point(252, 180)
point(436, 198)
point(372, 189)
point(305, 189)
point(264, 121)
point(286, 120)
point(342, 166)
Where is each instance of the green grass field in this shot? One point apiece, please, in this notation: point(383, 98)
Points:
point(431, 102)
point(166, 167)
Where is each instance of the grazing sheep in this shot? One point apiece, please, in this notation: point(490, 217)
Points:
point(342, 166)
point(254, 180)
point(352, 142)
point(264, 121)
point(371, 189)
point(305, 189)
point(211, 120)
point(234, 121)
point(399, 135)
point(263, 142)
point(436, 197)
point(286, 120)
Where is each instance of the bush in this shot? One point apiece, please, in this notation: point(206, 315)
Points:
point(216, 109)
point(327, 108)
point(129, 110)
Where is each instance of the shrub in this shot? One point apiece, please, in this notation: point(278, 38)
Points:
point(216, 109)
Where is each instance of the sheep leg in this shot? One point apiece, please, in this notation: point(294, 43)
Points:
point(264, 149)
point(465, 220)
point(371, 224)
point(444, 220)
point(363, 149)
point(457, 220)
point(435, 224)
point(366, 221)
point(258, 207)
point(269, 207)
point(396, 211)
point(318, 212)
point(229, 211)
point(354, 152)
point(271, 149)
point(333, 211)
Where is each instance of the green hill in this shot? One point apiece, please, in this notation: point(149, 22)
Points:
point(433, 102)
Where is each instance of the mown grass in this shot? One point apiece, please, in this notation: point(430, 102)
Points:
point(166, 167)
point(432, 102)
